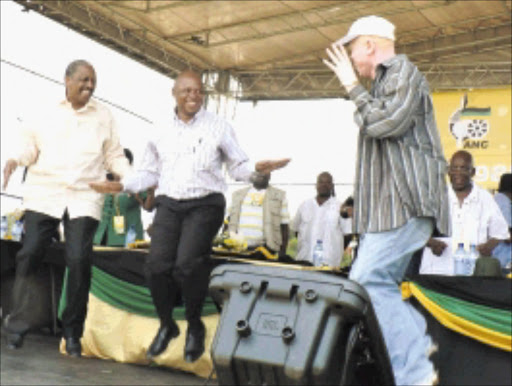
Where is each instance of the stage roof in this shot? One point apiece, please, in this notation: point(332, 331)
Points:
point(256, 50)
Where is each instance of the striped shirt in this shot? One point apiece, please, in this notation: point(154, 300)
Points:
point(400, 172)
point(251, 216)
point(185, 159)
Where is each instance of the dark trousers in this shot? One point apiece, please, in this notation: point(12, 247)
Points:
point(179, 256)
point(39, 230)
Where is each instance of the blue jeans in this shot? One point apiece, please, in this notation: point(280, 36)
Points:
point(380, 267)
point(503, 252)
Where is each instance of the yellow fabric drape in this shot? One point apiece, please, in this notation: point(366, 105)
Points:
point(111, 333)
point(456, 323)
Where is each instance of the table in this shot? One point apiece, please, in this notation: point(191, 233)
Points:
point(121, 320)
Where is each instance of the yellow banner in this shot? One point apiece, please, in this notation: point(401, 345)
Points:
point(478, 121)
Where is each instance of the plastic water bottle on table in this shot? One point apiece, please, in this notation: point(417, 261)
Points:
point(318, 254)
point(459, 258)
point(131, 236)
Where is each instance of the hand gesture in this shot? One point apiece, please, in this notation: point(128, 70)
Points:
point(341, 65)
point(10, 167)
point(106, 186)
point(437, 246)
point(268, 166)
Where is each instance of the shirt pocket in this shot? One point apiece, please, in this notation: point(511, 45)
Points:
point(206, 153)
point(90, 136)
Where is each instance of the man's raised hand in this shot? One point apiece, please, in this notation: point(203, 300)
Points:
point(267, 166)
point(10, 167)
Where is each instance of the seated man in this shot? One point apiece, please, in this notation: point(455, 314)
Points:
point(260, 214)
point(319, 219)
point(347, 211)
point(476, 219)
point(503, 251)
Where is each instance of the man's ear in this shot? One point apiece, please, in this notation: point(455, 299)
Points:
point(473, 172)
point(370, 45)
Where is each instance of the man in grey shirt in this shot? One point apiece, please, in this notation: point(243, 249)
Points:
point(400, 193)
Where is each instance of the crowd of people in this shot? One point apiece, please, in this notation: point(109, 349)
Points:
point(401, 202)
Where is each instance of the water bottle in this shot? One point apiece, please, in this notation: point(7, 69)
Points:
point(131, 236)
point(318, 254)
point(3, 231)
point(471, 260)
point(459, 257)
point(17, 230)
point(352, 245)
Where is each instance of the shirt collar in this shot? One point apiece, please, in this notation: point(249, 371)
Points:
point(196, 117)
point(91, 105)
point(383, 66)
point(472, 196)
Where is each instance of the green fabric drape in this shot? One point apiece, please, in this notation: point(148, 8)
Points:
point(491, 318)
point(127, 296)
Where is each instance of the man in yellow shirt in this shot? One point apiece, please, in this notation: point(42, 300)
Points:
point(65, 147)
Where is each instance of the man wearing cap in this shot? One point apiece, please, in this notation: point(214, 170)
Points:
point(400, 195)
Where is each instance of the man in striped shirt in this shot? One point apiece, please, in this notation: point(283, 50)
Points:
point(185, 162)
point(400, 192)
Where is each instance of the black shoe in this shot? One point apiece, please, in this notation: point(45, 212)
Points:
point(73, 347)
point(162, 339)
point(194, 346)
point(14, 340)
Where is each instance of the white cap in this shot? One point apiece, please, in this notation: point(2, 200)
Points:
point(369, 25)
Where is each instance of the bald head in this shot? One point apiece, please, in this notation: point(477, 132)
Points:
point(187, 74)
point(464, 155)
point(188, 92)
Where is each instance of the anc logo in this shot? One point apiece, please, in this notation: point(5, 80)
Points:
point(469, 125)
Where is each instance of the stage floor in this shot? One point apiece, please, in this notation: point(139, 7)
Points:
point(39, 362)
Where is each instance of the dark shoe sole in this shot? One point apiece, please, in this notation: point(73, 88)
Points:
point(192, 357)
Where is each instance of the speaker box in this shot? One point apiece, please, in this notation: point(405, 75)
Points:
point(282, 326)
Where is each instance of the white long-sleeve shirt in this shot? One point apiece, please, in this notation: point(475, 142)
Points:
point(64, 150)
point(185, 159)
point(476, 221)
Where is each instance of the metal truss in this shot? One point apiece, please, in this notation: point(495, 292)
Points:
point(467, 54)
point(134, 43)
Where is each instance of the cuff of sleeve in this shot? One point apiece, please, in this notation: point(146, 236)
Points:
point(128, 182)
point(356, 92)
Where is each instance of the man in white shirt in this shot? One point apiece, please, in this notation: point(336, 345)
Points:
point(64, 148)
point(319, 218)
point(260, 214)
point(185, 161)
point(476, 219)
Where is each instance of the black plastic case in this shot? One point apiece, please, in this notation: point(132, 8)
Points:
point(284, 326)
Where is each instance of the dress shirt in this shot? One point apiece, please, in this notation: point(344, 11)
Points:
point(400, 172)
point(185, 159)
point(319, 222)
point(476, 221)
point(251, 216)
point(64, 150)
